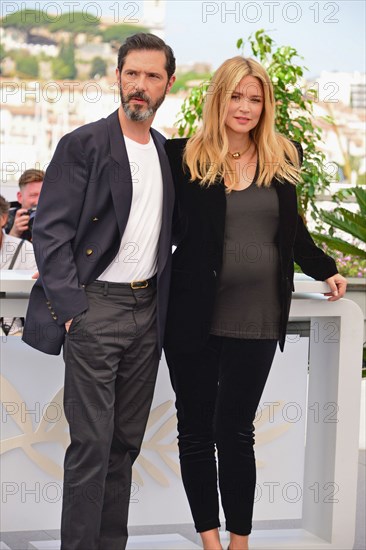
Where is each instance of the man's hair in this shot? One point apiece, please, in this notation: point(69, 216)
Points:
point(147, 41)
point(4, 206)
point(30, 176)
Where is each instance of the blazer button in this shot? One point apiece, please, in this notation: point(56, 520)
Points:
point(95, 219)
point(55, 317)
point(89, 251)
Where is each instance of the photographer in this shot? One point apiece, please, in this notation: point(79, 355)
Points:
point(21, 217)
point(14, 254)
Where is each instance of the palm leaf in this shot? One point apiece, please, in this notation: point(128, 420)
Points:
point(347, 221)
point(335, 243)
point(361, 198)
point(353, 217)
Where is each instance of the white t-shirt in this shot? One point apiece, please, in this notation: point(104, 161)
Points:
point(25, 259)
point(138, 253)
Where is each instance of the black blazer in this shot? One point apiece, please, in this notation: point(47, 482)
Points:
point(81, 217)
point(200, 227)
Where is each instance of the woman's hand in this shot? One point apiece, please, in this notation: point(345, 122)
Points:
point(338, 285)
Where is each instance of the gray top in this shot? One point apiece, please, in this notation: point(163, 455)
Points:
point(247, 301)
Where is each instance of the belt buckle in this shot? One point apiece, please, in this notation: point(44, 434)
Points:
point(135, 285)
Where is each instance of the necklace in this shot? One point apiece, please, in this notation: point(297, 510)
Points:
point(238, 154)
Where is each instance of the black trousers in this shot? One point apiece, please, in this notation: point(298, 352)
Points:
point(111, 362)
point(217, 394)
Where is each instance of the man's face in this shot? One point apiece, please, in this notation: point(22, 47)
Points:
point(143, 83)
point(28, 196)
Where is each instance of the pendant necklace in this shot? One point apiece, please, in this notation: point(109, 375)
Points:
point(238, 154)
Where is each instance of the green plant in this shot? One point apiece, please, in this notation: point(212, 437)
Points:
point(294, 116)
point(182, 81)
point(351, 223)
point(191, 111)
point(3, 52)
point(98, 67)
point(361, 179)
point(63, 66)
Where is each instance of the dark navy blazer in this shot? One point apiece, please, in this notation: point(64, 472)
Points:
point(81, 217)
point(197, 261)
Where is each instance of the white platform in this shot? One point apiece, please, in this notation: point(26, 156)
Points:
point(137, 542)
point(271, 539)
point(330, 456)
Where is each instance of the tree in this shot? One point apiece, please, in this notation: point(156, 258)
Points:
point(98, 67)
point(77, 22)
point(27, 65)
point(294, 113)
point(63, 66)
point(28, 19)
point(23, 20)
point(60, 71)
point(2, 52)
point(120, 32)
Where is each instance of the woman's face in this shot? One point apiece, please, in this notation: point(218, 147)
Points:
point(245, 106)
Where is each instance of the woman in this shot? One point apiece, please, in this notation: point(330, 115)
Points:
point(238, 233)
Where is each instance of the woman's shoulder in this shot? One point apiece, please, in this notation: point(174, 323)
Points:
point(288, 144)
point(299, 149)
point(175, 146)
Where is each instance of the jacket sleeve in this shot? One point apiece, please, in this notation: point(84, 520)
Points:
point(55, 226)
point(312, 260)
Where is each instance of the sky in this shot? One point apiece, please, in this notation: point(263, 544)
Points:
point(329, 35)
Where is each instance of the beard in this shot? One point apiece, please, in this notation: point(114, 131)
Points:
point(139, 113)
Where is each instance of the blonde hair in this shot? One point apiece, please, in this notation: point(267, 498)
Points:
point(206, 153)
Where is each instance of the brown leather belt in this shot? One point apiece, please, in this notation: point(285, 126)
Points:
point(134, 285)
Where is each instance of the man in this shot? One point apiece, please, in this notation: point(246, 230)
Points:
point(14, 254)
point(21, 217)
point(103, 246)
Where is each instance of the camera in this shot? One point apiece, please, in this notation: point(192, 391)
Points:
point(31, 212)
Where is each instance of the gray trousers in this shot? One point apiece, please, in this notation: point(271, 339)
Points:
point(111, 363)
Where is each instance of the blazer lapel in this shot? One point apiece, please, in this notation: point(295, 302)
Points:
point(120, 178)
point(165, 237)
